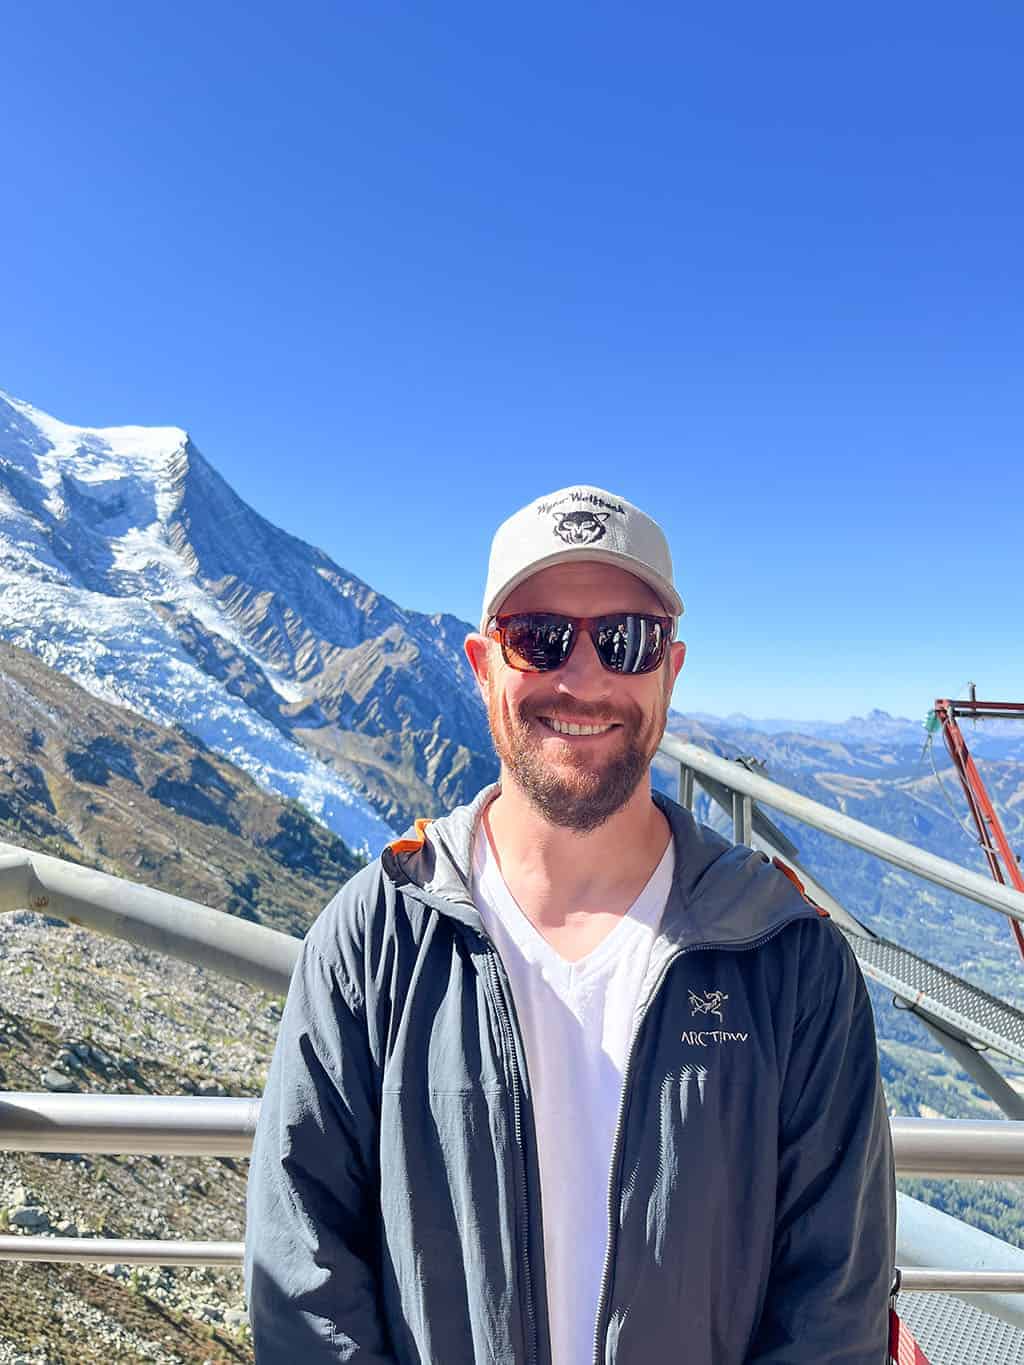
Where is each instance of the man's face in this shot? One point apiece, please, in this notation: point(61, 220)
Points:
point(576, 781)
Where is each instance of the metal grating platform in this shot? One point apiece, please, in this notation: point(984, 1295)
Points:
point(981, 1016)
point(952, 1332)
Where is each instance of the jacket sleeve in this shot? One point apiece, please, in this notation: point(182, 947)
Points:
point(835, 1232)
point(313, 1196)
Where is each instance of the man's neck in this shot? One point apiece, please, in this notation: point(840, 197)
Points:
point(574, 887)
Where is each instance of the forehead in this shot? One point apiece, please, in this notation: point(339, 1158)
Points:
point(583, 589)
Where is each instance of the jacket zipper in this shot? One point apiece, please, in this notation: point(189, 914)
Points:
point(614, 1173)
point(522, 1209)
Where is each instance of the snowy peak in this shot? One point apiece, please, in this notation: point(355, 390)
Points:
point(55, 453)
point(137, 511)
point(129, 563)
point(92, 501)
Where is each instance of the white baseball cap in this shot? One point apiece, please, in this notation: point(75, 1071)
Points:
point(579, 523)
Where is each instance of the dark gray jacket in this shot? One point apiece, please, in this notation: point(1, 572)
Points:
point(394, 1213)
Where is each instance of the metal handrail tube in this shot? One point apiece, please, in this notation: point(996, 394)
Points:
point(164, 1125)
point(201, 1125)
point(131, 1251)
point(959, 1149)
point(918, 1279)
point(940, 871)
point(170, 924)
point(125, 1249)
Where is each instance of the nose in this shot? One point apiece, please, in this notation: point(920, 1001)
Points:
point(583, 675)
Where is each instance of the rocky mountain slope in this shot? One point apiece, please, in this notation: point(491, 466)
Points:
point(94, 783)
point(79, 1012)
point(129, 564)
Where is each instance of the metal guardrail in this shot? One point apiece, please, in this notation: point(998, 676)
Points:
point(149, 1125)
point(921, 1279)
point(127, 1251)
point(752, 787)
point(219, 1126)
point(193, 1125)
point(170, 924)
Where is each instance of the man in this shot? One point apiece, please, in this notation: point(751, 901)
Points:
point(564, 1077)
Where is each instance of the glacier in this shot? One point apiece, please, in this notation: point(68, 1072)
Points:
point(94, 573)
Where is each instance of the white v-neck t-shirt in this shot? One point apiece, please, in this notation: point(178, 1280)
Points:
point(576, 1020)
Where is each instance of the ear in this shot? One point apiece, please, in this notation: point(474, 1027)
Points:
point(676, 657)
point(478, 652)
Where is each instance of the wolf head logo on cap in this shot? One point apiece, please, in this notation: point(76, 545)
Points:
point(580, 528)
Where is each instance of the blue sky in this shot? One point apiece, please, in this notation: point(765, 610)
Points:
point(400, 269)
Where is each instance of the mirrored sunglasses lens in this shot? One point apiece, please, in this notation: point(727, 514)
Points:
point(536, 644)
point(630, 643)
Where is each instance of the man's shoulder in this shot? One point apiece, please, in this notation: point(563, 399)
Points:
point(343, 923)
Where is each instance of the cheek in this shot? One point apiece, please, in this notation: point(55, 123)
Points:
point(517, 690)
point(503, 702)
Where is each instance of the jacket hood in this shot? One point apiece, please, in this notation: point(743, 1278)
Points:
point(722, 894)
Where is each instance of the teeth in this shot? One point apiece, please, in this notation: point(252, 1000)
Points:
point(564, 728)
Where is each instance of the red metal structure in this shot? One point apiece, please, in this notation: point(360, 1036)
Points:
point(1002, 860)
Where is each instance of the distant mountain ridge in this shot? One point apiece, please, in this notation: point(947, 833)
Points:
point(995, 738)
point(127, 562)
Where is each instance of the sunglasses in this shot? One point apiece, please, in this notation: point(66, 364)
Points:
point(539, 641)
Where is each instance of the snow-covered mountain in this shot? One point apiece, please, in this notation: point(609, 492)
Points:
point(129, 564)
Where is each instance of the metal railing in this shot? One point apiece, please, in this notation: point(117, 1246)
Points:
point(189, 1125)
point(748, 787)
point(217, 1126)
point(194, 1125)
point(154, 919)
point(956, 1257)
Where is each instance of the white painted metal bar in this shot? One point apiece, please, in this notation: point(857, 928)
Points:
point(932, 868)
point(170, 924)
point(132, 1251)
point(165, 1125)
point(127, 1250)
point(742, 818)
point(959, 1149)
point(191, 1125)
point(916, 1279)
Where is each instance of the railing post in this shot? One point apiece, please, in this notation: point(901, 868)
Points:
point(686, 786)
point(742, 818)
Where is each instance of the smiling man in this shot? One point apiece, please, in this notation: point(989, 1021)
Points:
point(563, 1077)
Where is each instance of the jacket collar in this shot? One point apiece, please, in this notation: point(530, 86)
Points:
point(722, 894)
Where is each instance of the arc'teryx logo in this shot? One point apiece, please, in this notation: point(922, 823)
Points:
point(710, 1003)
point(580, 528)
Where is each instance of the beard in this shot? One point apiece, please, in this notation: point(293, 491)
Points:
point(580, 796)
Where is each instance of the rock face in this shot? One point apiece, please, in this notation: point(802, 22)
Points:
point(127, 562)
